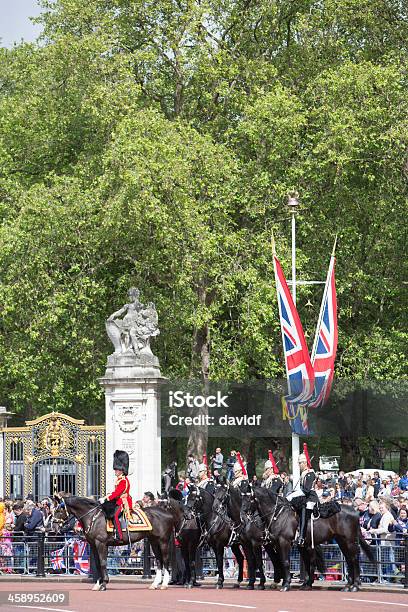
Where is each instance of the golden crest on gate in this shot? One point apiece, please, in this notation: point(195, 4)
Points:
point(54, 437)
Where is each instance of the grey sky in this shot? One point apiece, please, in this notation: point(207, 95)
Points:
point(15, 23)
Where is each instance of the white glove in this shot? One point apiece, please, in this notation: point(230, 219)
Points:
point(101, 500)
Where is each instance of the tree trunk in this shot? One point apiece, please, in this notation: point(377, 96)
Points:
point(198, 437)
point(350, 454)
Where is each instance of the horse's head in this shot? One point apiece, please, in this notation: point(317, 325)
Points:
point(194, 501)
point(222, 495)
point(247, 497)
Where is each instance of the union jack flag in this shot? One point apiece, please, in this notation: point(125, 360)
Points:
point(325, 342)
point(81, 557)
point(299, 370)
point(57, 559)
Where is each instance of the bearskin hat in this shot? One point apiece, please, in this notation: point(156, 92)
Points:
point(121, 461)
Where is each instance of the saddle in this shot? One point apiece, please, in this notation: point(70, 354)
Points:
point(321, 510)
point(327, 509)
point(136, 520)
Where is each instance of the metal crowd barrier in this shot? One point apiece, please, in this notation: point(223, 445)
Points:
point(43, 554)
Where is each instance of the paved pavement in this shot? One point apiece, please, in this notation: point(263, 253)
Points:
point(124, 597)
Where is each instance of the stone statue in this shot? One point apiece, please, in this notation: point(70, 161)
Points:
point(131, 334)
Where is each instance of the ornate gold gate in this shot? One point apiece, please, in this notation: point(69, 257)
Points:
point(53, 453)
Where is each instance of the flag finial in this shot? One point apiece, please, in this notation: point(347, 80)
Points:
point(273, 243)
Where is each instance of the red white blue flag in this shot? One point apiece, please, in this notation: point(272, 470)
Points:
point(299, 370)
point(325, 342)
point(81, 556)
point(57, 559)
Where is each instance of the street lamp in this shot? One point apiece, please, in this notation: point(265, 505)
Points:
point(293, 203)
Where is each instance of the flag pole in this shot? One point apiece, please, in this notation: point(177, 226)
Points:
point(293, 203)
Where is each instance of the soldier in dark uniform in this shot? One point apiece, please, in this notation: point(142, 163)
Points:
point(307, 480)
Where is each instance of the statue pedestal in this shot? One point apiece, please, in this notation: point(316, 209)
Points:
point(132, 417)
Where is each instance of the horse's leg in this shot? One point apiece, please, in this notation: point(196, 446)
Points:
point(259, 566)
point(219, 555)
point(102, 553)
point(307, 583)
point(240, 560)
point(351, 554)
point(185, 553)
point(96, 567)
point(250, 557)
point(284, 558)
point(157, 553)
point(164, 549)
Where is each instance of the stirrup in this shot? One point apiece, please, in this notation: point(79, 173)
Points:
point(300, 541)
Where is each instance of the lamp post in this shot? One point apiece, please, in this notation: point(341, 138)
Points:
point(293, 203)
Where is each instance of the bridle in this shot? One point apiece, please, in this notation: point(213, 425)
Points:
point(62, 505)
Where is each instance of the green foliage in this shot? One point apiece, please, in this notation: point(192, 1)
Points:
point(155, 144)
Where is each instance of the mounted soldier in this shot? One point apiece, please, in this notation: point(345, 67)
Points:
point(240, 472)
point(204, 482)
point(307, 480)
point(121, 494)
point(271, 478)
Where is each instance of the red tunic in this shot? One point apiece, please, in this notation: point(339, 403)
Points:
point(121, 492)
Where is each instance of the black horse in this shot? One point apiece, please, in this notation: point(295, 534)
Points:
point(216, 530)
point(228, 503)
point(187, 533)
point(281, 523)
point(89, 513)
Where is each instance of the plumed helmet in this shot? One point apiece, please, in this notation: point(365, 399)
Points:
point(121, 461)
point(237, 468)
point(268, 464)
point(202, 468)
point(302, 458)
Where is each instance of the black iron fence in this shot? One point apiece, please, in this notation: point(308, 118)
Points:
point(42, 555)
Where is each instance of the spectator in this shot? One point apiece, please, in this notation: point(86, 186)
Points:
point(376, 483)
point(383, 532)
point(369, 491)
point(230, 465)
point(217, 461)
point(374, 516)
point(338, 492)
point(318, 487)
point(400, 525)
point(395, 488)
point(403, 483)
point(350, 488)
point(360, 489)
point(362, 508)
point(342, 480)
point(192, 468)
point(148, 499)
point(20, 518)
point(34, 519)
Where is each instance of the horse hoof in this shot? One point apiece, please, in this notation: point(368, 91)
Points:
point(163, 587)
point(250, 587)
point(305, 587)
point(236, 585)
point(102, 587)
point(219, 586)
point(285, 588)
point(152, 587)
point(354, 588)
point(261, 587)
point(346, 589)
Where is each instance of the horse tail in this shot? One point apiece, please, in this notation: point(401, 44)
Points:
point(368, 551)
point(320, 564)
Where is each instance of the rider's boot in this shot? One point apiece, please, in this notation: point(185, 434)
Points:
point(304, 518)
